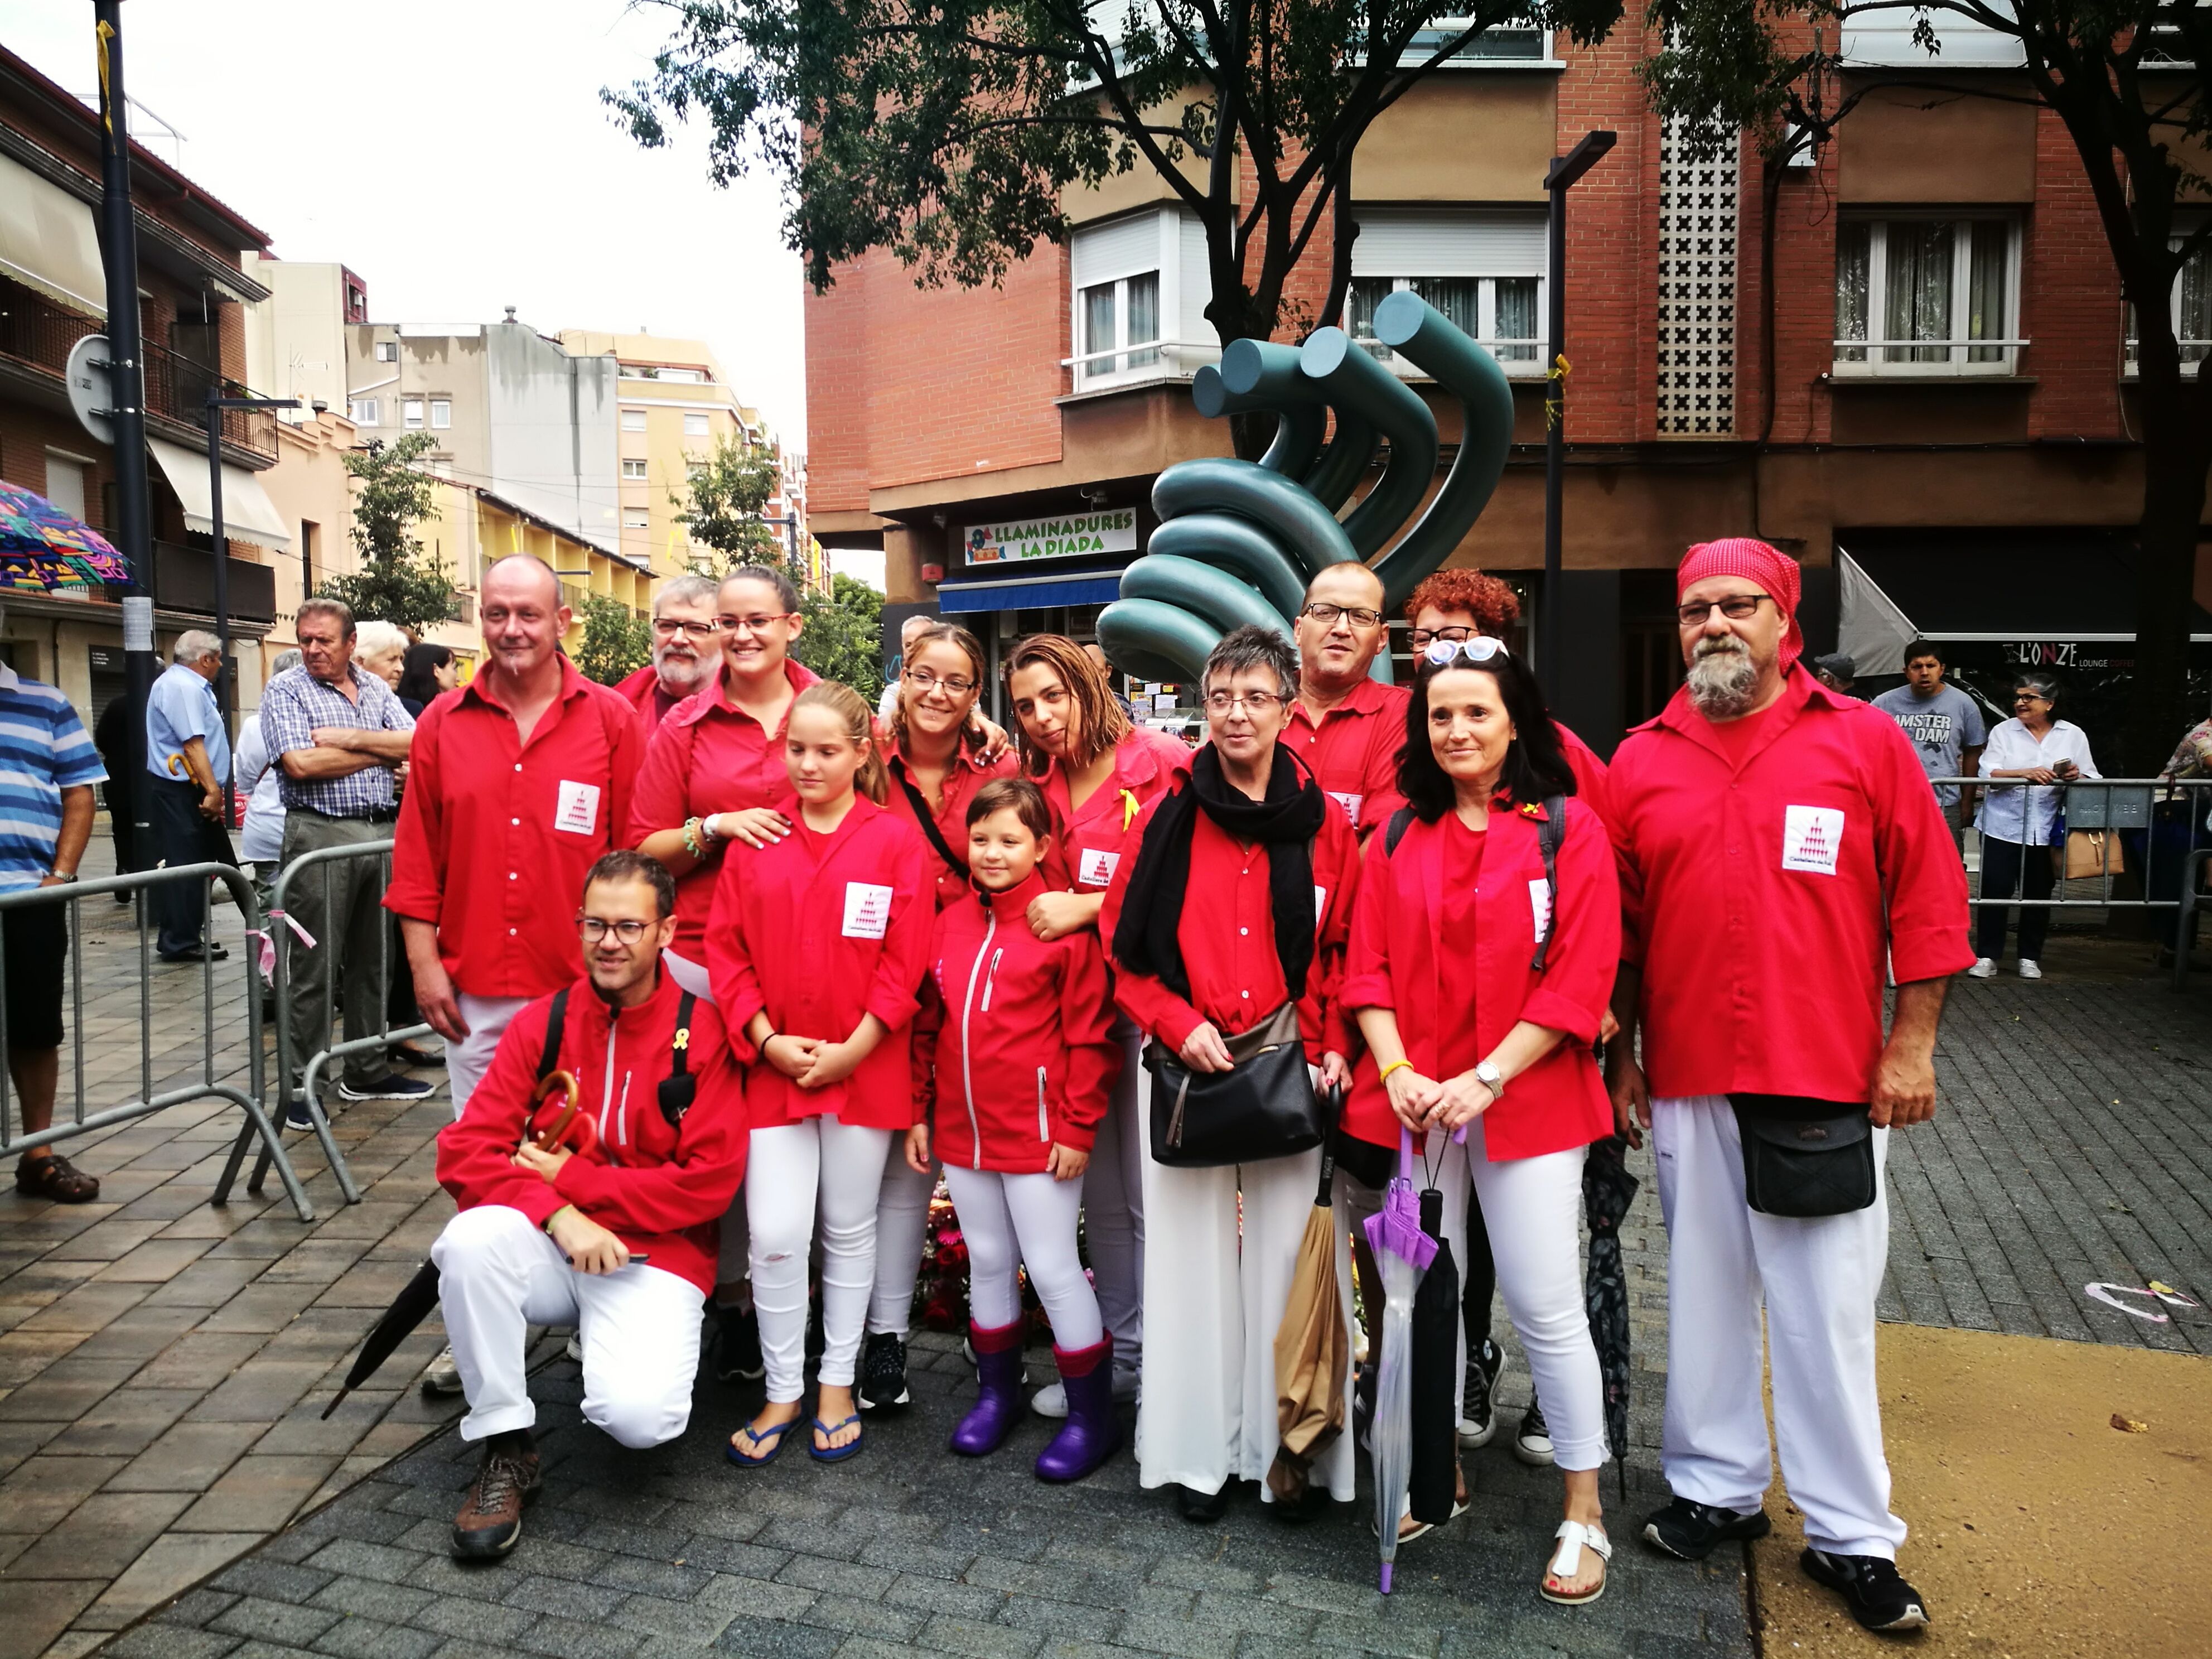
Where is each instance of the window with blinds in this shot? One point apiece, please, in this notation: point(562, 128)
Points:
point(1139, 294)
point(1483, 268)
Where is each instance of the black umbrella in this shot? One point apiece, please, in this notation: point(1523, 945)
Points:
point(1608, 1190)
point(408, 1309)
point(1434, 1487)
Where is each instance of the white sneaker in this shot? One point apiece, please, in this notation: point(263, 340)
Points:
point(2030, 969)
point(1983, 969)
point(442, 1375)
point(1051, 1400)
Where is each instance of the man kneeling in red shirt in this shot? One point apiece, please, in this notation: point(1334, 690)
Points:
point(563, 1236)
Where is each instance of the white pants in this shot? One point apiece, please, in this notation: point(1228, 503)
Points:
point(1208, 1411)
point(1817, 1278)
point(1113, 1204)
point(467, 1060)
point(497, 1275)
point(787, 1166)
point(1531, 1209)
point(1017, 1221)
point(901, 1229)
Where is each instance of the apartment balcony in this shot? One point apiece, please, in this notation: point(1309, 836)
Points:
point(184, 581)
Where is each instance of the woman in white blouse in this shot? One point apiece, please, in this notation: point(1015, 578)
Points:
point(2045, 752)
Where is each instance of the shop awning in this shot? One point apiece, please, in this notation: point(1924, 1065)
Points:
point(248, 514)
point(1964, 588)
point(1029, 592)
point(48, 241)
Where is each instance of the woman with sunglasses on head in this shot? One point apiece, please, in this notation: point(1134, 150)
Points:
point(2018, 823)
point(939, 755)
point(1479, 979)
point(1099, 771)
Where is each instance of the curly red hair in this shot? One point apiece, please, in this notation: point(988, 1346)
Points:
point(1493, 604)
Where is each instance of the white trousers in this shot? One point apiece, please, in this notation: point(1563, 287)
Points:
point(1017, 1221)
point(1208, 1411)
point(1531, 1209)
point(1817, 1279)
point(1113, 1204)
point(788, 1167)
point(498, 1275)
point(467, 1060)
point(901, 1229)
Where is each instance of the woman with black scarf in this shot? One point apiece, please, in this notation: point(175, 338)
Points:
point(1238, 901)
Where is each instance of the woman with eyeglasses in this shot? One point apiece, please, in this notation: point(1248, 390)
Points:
point(1480, 982)
point(939, 757)
point(2044, 751)
point(1099, 771)
point(1231, 910)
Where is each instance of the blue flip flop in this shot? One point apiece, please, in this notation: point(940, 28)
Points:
point(772, 1438)
point(836, 1453)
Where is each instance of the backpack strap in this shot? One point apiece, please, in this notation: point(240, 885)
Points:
point(1395, 831)
point(1549, 834)
point(548, 1061)
point(679, 1088)
point(927, 819)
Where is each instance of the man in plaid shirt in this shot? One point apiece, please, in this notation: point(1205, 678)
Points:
point(338, 734)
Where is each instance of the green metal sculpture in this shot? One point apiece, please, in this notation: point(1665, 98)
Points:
point(1239, 540)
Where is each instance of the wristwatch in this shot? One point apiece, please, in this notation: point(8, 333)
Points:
point(61, 875)
point(1491, 1078)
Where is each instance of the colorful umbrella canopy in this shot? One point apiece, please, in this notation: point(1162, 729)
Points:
point(43, 548)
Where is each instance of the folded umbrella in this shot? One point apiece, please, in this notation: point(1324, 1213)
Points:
point(1433, 1486)
point(1607, 1191)
point(1402, 1251)
point(1312, 1344)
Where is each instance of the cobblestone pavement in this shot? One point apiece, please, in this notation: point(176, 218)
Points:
point(161, 1364)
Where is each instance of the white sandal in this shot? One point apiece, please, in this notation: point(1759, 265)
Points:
point(1574, 1537)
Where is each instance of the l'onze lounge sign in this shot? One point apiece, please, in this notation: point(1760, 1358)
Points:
point(1011, 543)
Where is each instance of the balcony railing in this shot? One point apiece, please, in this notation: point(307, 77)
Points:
point(40, 336)
point(183, 580)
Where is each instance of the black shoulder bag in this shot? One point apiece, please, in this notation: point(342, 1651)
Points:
point(1804, 1157)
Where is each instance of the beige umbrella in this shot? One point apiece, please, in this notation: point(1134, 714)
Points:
point(1312, 1344)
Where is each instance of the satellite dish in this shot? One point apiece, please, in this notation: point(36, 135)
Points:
point(91, 387)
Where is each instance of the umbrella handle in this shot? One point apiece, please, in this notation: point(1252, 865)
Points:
point(546, 1139)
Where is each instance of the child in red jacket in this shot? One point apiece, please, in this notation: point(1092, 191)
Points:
point(1012, 1053)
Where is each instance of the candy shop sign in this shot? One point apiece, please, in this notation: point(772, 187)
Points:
point(1112, 532)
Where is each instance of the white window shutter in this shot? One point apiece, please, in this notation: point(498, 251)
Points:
point(1120, 247)
point(1501, 242)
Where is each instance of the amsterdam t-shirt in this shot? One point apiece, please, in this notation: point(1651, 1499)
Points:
point(1939, 726)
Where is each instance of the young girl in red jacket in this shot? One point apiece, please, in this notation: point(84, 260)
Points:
point(1013, 1052)
point(814, 947)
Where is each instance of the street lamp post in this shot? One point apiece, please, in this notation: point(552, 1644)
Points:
point(1564, 171)
point(224, 689)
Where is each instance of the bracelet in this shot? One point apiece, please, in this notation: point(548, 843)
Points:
point(1396, 1064)
point(691, 844)
point(708, 835)
point(761, 1047)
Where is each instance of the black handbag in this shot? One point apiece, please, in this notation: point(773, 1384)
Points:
point(1803, 1156)
point(1265, 1108)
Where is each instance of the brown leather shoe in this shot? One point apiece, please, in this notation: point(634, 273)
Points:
point(54, 1176)
point(490, 1522)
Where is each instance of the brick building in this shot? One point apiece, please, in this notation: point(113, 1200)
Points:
point(1976, 482)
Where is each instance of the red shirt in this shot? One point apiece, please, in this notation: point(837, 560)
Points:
point(1088, 841)
point(963, 779)
point(642, 691)
point(495, 834)
point(661, 1189)
point(1354, 750)
point(819, 930)
point(1012, 1048)
point(708, 755)
point(1762, 896)
point(1227, 938)
point(1450, 955)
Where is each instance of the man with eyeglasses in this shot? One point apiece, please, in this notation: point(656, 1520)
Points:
point(887, 705)
point(1345, 727)
point(611, 1228)
point(1780, 853)
point(685, 639)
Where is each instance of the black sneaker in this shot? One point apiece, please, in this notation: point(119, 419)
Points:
point(1478, 1412)
point(1202, 1508)
point(1532, 1441)
point(390, 1087)
point(883, 1372)
point(1691, 1532)
point(736, 1345)
point(1869, 1585)
point(296, 1115)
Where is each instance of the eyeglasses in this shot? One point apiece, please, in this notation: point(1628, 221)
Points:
point(594, 929)
point(668, 628)
point(1258, 704)
point(1417, 637)
point(753, 624)
point(1735, 607)
point(953, 685)
point(2029, 696)
point(1359, 615)
point(1478, 650)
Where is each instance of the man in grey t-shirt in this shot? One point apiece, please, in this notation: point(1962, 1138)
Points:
point(1944, 723)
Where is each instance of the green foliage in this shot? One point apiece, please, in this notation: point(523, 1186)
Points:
point(616, 641)
point(946, 133)
point(722, 503)
point(843, 636)
point(395, 583)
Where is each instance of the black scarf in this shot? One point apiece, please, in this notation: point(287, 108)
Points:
point(1285, 822)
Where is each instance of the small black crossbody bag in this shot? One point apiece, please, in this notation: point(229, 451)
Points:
point(1804, 1157)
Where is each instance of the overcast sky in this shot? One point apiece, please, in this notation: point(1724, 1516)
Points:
point(454, 153)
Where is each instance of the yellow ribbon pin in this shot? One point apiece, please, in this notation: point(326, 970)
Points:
point(1130, 808)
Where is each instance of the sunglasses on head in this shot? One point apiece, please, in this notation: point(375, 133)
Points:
point(1478, 650)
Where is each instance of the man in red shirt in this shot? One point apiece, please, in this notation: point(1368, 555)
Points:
point(1776, 858)
point(615, 1236)
point(1346, 727)
point(685, 646)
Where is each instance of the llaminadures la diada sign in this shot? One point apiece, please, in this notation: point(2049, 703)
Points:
point(1113, 531)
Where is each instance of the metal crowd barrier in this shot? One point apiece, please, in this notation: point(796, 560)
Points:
point(209, 1084)
point(285, 932)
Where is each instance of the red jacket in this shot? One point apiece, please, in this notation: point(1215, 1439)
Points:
point(1012, 1047)
point(819, 930)
point(1354, 750)
point(642, 690)
point(1088, 841)
point(1765, 900)
point(660, 1189)
point(963, 779)
point(1401, 960)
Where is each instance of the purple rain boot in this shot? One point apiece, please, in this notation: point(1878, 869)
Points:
point(999, 1405)
point(1092, 1432)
